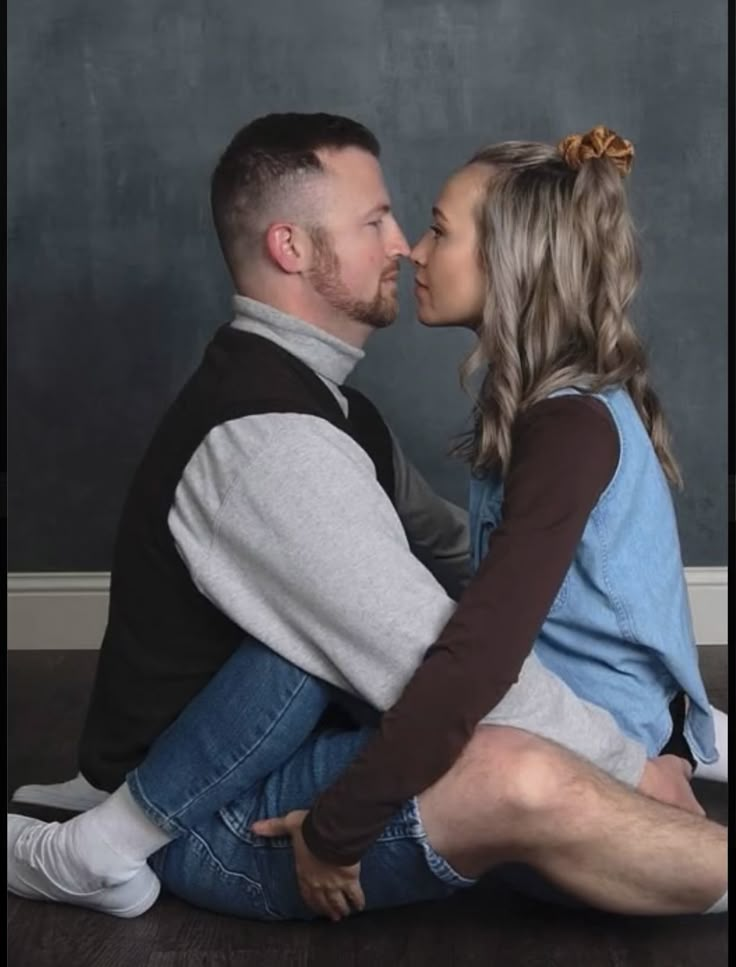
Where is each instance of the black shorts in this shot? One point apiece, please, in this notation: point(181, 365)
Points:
point(677, 744)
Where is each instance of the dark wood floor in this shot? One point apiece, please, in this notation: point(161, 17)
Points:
point(46, 699)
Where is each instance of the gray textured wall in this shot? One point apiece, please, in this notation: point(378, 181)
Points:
point(118, 111)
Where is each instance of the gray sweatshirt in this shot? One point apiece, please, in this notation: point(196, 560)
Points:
point(267, 518)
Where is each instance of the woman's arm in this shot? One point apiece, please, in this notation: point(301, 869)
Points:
point(565, 453)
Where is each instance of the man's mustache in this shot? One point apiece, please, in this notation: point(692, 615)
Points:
point(392, 273)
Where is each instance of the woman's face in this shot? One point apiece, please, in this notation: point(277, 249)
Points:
point(449, 282)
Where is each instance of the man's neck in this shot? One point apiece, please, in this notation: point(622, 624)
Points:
point(329, 356)
point(320, 316)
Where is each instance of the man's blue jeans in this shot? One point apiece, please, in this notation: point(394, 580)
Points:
point(244, 749)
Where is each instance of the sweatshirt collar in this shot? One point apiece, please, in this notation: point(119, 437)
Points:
point(326, 355)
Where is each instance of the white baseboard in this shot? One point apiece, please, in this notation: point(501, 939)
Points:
point(708, 591)
point(69, 611)
point(55, 610)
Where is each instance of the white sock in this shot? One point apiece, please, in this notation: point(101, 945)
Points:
point(116, 835)
point(720, 906)
point(716, 771)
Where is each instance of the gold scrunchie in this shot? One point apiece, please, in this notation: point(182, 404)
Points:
point(600, 142)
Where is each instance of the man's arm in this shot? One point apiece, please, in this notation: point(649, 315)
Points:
point(284, 527)
point(436, 528)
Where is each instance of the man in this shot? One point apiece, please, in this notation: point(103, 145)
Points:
point(271, 501)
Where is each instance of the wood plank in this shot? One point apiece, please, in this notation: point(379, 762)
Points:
point(47, 695)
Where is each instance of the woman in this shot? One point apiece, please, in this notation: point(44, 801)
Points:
point(573, 532)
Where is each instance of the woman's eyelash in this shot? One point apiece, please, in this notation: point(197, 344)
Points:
point(436, 230)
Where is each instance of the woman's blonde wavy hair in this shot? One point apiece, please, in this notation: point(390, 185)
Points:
point(558, 247)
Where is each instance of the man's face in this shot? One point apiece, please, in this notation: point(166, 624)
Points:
point(358, 246)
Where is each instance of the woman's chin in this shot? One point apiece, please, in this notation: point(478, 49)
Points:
point(424, 315)
point(427, 317)
point(430, 321)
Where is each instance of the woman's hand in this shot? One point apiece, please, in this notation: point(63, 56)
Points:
point(326, 889)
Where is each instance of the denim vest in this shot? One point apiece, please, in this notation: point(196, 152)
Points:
point(619, 631)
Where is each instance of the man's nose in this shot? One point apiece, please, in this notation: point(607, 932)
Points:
point(400, 248)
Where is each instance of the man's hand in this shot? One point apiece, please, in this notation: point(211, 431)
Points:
point(667, 778)
point(326, 889)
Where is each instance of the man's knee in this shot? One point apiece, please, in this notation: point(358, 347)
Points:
point(509, 788)
point(526, 773)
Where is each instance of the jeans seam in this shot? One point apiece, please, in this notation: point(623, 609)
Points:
point(255, 888)
point(438, 865)
point(221, 868)
point(170, 822)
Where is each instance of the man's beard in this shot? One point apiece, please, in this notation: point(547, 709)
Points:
point(379, 313)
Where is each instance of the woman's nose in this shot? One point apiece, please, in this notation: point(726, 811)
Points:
point(416, 254)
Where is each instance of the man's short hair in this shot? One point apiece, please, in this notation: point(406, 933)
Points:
point(263, 160)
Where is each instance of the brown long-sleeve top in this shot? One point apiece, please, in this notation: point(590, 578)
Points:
point(565, 452)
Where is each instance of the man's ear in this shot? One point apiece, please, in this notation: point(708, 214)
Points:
point(288, 246)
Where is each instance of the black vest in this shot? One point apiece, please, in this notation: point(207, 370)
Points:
point(164, 640)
